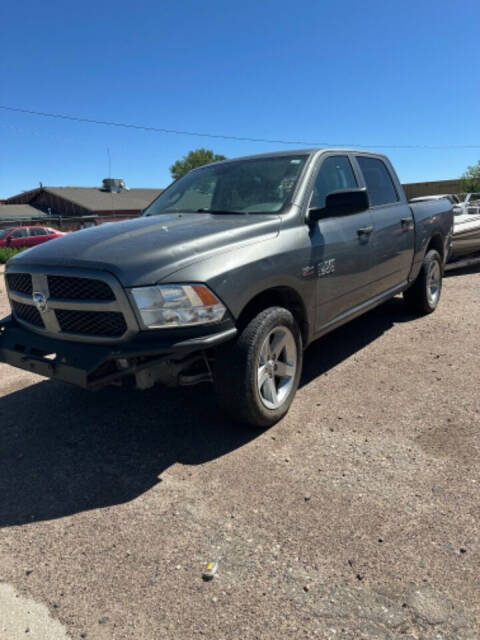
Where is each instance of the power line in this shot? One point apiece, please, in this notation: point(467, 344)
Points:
point(126, 125)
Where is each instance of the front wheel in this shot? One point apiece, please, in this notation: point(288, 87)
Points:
point(257, 376)
point(424, 294)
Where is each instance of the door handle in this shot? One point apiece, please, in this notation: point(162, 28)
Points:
point(364, 231)
point(406, 222)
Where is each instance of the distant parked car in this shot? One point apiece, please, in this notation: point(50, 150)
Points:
point(20, 237)
point(470, 204)
point(467, 203)
point(466, 224)
point(454, 199)
point(466, 227)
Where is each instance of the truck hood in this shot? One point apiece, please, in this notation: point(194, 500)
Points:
point(146, 250)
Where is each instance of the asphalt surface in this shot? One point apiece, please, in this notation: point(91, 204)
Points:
point(356, 517)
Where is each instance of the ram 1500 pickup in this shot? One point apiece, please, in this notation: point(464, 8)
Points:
point(227, 277)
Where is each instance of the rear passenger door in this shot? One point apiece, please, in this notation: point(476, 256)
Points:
point(341, 245)
point(38, 235)
point(392, 219)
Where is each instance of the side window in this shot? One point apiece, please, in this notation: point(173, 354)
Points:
point(335, 173)
point(19, 233)
point(38, 231)
point(380, 187)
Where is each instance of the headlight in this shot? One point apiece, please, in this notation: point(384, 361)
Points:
point(173, 305)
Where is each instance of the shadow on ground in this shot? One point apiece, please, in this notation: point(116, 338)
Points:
point(464, 271)
point(64, 450)
point(326, 353)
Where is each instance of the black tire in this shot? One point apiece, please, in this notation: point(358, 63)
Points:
point(418, 297)
point(236, 369)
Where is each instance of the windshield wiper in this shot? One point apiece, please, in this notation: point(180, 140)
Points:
point(226, 211)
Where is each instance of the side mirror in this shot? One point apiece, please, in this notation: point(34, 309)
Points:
point(341, 203)
point(9, 240)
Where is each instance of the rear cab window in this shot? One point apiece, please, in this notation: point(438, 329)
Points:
point(378, 180)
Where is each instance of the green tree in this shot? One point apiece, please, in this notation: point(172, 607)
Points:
point(194, 159)
point(471, 179)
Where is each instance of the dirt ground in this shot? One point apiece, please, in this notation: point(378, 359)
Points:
point(356, 517)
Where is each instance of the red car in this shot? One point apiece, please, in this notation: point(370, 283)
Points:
point(19, 237)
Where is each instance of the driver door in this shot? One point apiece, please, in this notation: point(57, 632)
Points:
point(18, 238)
point(341, 246)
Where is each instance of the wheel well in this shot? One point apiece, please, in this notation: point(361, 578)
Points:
point(281, 297)
point(436, 243)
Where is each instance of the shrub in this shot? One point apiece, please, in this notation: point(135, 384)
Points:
point(6, 254)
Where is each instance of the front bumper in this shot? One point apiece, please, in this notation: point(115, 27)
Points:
point(92, 365)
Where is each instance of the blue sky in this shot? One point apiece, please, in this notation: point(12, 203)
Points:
point(354, 72)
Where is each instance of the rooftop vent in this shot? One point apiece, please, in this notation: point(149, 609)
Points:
point(113, 185)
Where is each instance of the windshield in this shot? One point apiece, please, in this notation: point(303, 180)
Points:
point(4, 232)
point(265, 185)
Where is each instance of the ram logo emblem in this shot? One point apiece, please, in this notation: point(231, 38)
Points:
point(40, 301)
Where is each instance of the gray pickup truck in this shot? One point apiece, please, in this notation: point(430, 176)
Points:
point(228, 276)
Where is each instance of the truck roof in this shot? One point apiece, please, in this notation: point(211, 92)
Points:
point(296, 152)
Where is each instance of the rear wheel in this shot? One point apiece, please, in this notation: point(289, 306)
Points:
point(256, 377)
point(424, 294)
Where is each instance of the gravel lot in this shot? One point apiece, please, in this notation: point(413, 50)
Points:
point(356, 517)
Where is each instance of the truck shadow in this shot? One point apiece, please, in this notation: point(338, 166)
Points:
point(64, 450)
point(332, 349)
point(464, 271)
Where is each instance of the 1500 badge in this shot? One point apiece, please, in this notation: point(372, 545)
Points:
point(324, 268)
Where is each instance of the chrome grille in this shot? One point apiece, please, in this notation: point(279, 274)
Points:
point(92, 323)
point(21, 282)
point(69, 288)
point(27, 313)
